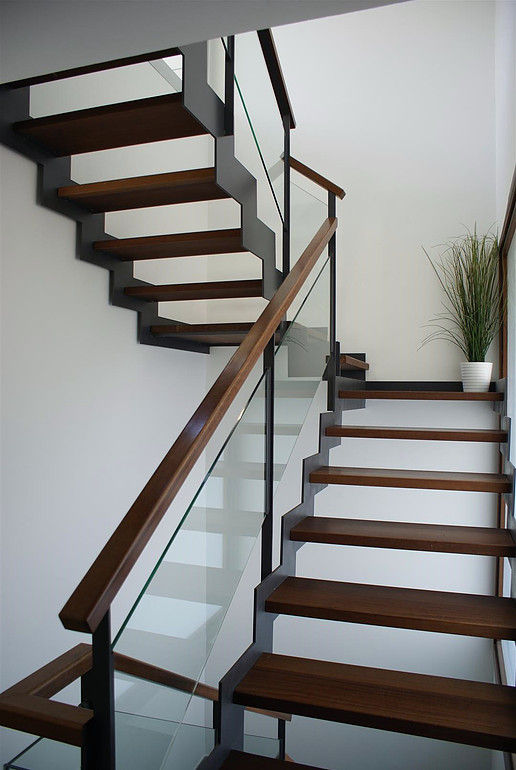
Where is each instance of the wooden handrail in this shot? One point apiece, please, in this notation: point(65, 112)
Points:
point(26, 706)
point(93, 596)
point(319, 179)
point(270, 54)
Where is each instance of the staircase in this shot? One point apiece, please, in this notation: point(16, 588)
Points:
point(160, 656)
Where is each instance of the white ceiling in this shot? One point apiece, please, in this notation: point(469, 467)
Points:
point(42, 36)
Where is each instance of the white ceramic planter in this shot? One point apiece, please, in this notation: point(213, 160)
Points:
point(476, 376)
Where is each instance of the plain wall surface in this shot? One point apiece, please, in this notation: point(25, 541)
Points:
point(397, 105)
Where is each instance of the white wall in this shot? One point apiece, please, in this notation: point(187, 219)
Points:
point(505, 94)
point(87, 412)
point(397, 105)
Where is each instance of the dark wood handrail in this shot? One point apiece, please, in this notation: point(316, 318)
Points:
point(93, 596)
point(26, 706)
point(270, 54)
point(314, 176)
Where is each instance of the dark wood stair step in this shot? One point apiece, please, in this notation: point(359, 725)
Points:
point(456, 710)
point(144, 191)
point(349, 363)
point(175, 245)
point(421, 395)
point(114, 125)
point(440, 611)
point(239, 760)
point(441, 538)
point(197, 291)
point(417, 434)
point(412, 479)
point(212, 334)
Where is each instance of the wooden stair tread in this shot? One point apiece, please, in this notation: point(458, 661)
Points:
point(348, 362)
point(197, 291)
point(114, 125)
point(213, 334)
point(423, 434)
point(239, 760)
point(440, 611)
point(421, 395)
point(174, 245)
point(413, 479)
point(437, 707)
point(405, 535)
point(143, 191)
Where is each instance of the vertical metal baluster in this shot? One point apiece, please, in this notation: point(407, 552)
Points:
point(282, 737)
point(229, 87)
point(286, 195)
point(97, 691)
point(267, 528)
point(333, 363)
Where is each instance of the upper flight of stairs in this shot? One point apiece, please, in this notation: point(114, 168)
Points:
point(114, 125)
point(137, 122)
point(143, 191)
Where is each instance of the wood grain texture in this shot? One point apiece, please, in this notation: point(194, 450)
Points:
point(444, 612)
point(441, 538)
point(350, 363)
point(114, 125)
point(421, 395)
point(180, 292)
point(47, 718)
point(26, 706)
point(412, 479)
point(475, 713)
point(319, 179)
point(226, 334)
point(417, 434)
point(175, 245)
point(92, 598)
point(238, 760)
point(144, 191)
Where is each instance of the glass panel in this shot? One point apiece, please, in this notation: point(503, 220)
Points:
point(263, 747)
point(141, 743)
point(121, 84)
point(255, 104)
point(299, 365)
point(176, 619)
point(307, 213)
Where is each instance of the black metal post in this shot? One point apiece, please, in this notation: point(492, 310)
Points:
point(97, 691)
point(333, 364)
point(282, 737)
point(229, 87)
point(286, 195)
point(267, 528)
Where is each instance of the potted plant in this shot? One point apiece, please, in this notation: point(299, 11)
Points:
point(468, 271)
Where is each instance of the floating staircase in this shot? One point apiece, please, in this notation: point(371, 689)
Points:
point(469, 712)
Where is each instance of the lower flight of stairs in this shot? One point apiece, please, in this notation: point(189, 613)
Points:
point(462, 711)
